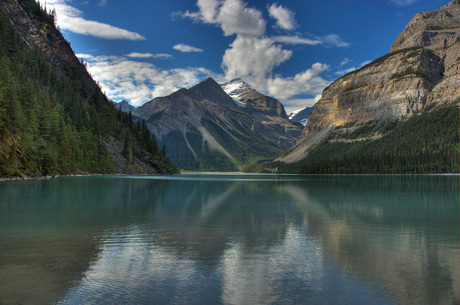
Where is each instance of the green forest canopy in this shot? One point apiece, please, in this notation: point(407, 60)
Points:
point(51, 124)
point(425, 143)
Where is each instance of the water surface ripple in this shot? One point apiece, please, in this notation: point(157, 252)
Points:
point(230, 239)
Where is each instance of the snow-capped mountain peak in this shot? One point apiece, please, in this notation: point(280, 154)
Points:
point(234, 88)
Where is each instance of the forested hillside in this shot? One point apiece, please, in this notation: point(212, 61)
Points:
point(53, 124)
point(426, 143)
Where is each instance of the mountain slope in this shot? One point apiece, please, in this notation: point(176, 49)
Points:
point(266, 110)
point(54, 118)
point(423, 144)
point(422, 69)
point(204, 129)
point(37, 30)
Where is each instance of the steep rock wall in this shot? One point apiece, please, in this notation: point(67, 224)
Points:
point(422, 67)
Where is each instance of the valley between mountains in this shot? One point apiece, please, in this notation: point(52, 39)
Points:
point(397, 114)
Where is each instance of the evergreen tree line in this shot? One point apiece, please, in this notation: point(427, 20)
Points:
point(425, 143)
point(138, 136)
point(49, 124)
point(40, 11)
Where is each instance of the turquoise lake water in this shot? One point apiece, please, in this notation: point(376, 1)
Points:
point(230, 239)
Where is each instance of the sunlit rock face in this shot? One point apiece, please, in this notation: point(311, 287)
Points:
point(423, 67)
point(396, 85)
point(438, 31)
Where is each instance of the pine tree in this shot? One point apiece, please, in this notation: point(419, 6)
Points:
point(125, 151)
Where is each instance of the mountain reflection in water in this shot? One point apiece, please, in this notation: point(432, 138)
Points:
point(235, 239)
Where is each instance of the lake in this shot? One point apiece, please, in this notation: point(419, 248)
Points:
point(230, 239)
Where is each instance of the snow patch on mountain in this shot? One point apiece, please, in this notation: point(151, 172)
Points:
point(301, 115)
point(235, 88)
point(292, 114)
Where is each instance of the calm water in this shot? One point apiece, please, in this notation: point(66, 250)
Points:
point(232, 239)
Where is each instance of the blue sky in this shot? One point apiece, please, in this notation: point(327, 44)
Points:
point(289, 49)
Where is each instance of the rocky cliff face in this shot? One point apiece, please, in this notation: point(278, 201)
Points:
point(204, 128)
point(436, 30)
point(422, 67)
point(43, 36)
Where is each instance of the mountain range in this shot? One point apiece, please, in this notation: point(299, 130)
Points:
point(397, 114)
point(207, 128)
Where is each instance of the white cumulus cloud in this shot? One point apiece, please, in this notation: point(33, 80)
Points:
point(253, 59)
point(186, 48)
point(71, 19)
point(306, 82)
point(256, 67)
point(208, 10)
point(139, 82)
point(284, 17)
point(233, 17)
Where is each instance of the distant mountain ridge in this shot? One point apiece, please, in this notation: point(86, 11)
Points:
point(125, 106)
point(204, 128)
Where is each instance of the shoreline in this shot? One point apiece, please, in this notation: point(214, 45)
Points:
point(49, 177)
